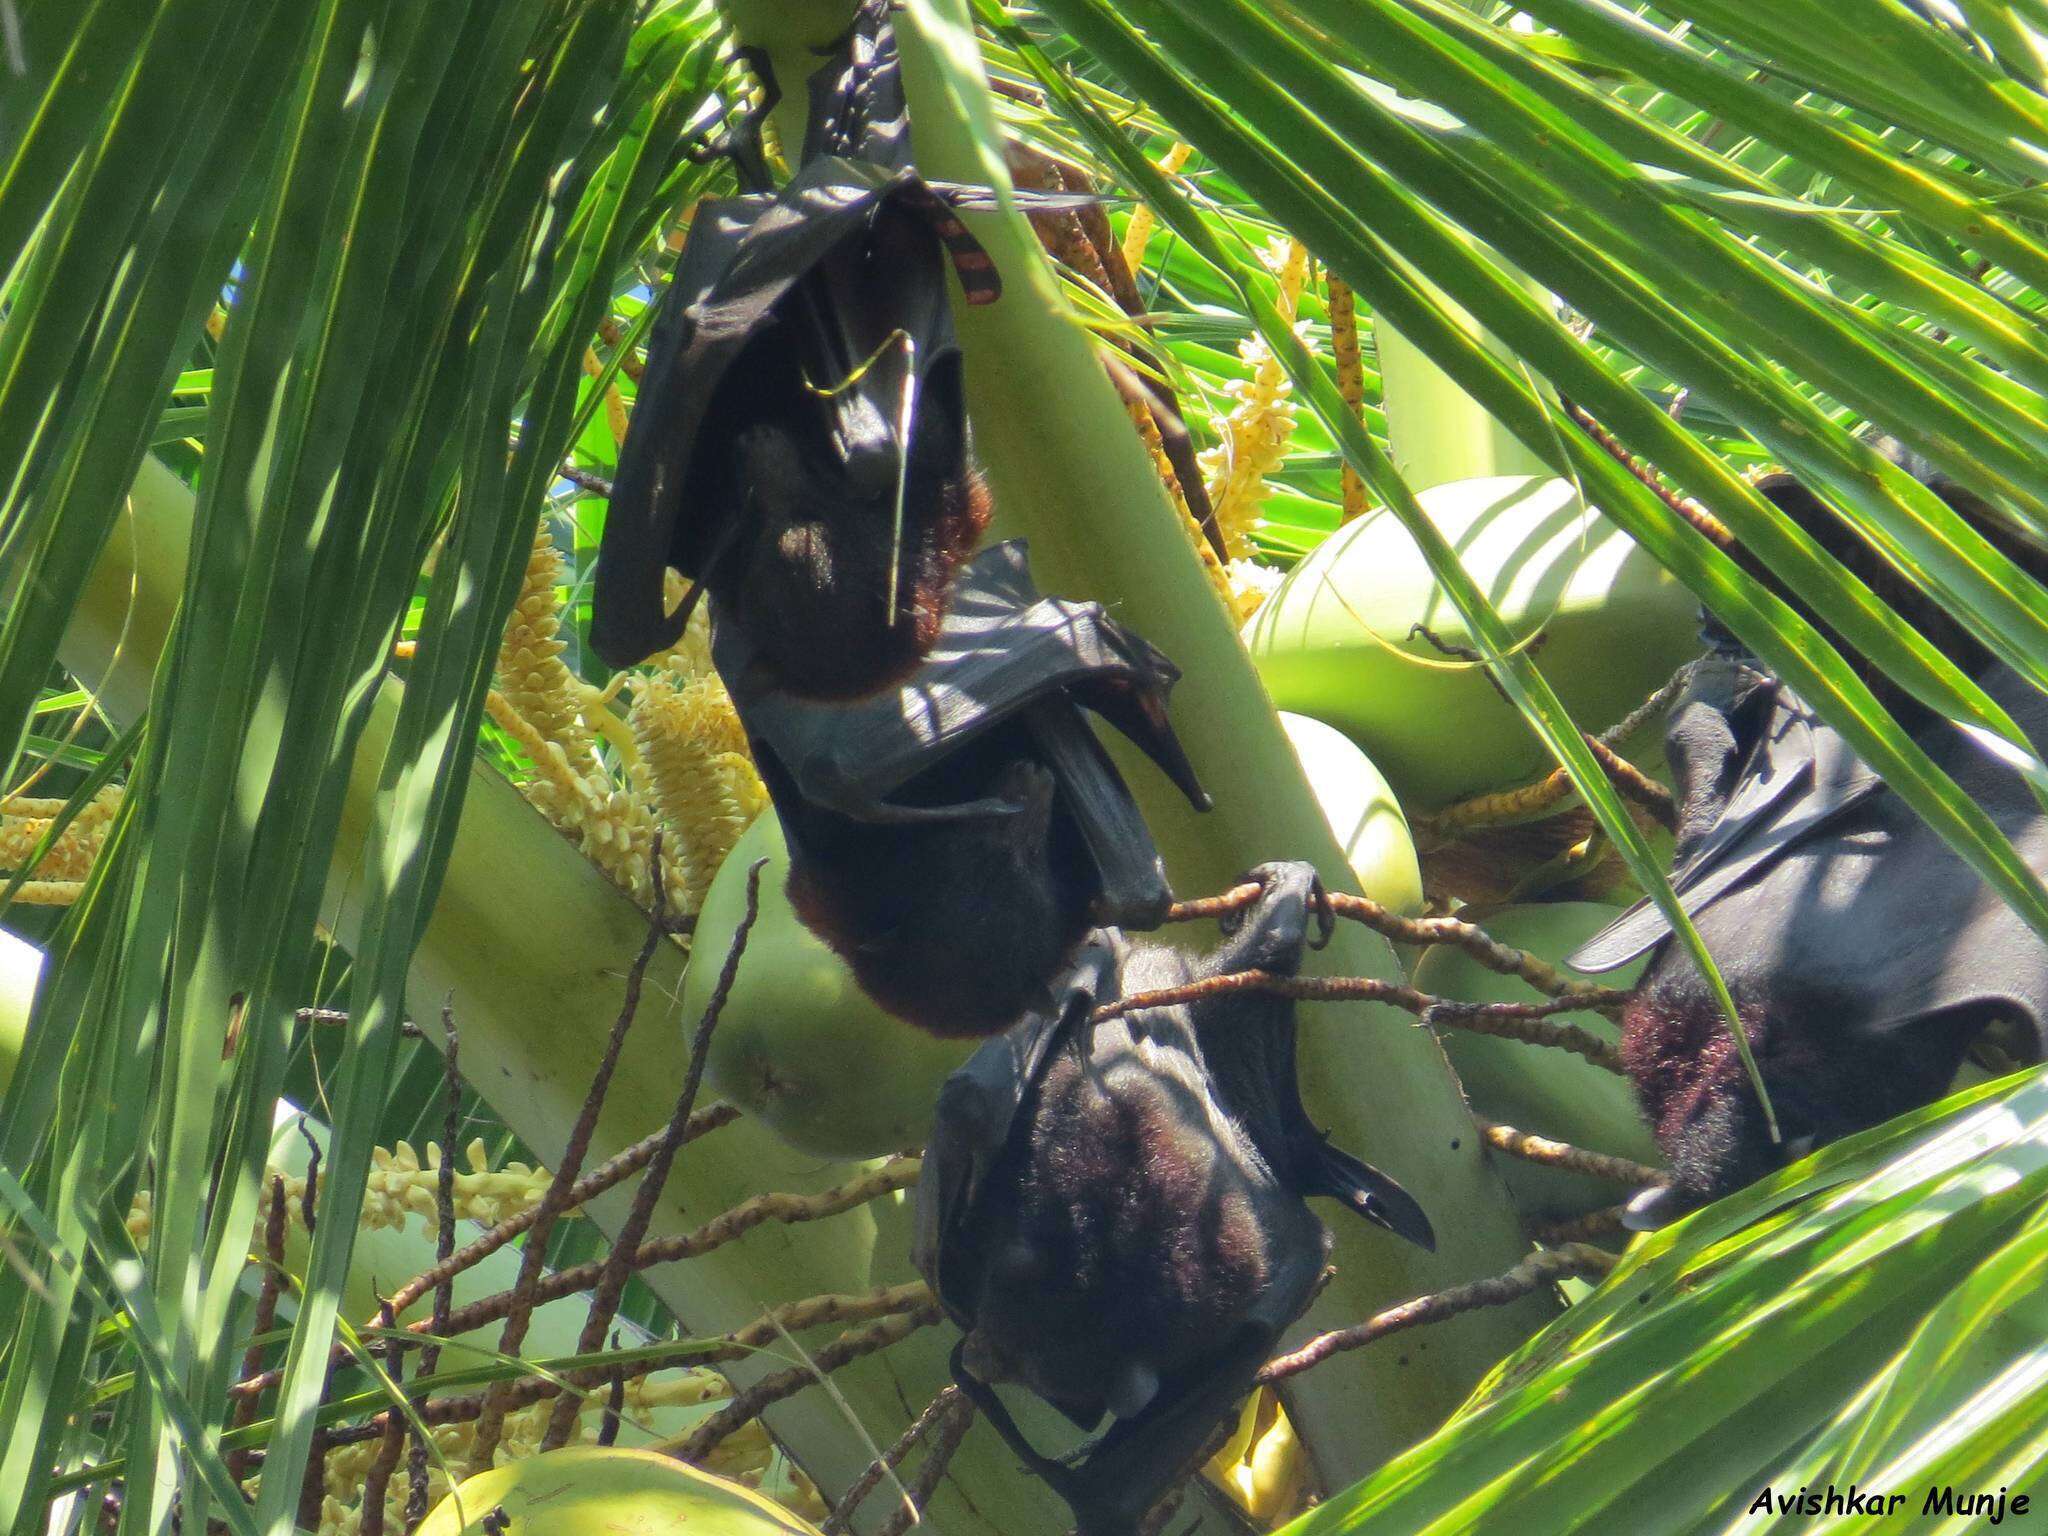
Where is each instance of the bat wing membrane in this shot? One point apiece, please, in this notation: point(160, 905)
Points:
point(743, 258)
point(978, 1116)
point(1372, 1194)
point(1001, 650)
point(1800, 779)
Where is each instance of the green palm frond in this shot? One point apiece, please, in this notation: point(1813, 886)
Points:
point(297, 315)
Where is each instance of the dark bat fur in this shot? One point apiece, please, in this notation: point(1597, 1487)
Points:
point(913, 908)
point(808, 572)
point(1115, 1214)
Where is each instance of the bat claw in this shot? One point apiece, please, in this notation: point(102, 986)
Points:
point(1657, 1206)
point(1326, 915)
point(1292, 890)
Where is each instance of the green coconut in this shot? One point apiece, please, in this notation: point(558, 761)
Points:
point(1333, 641)
point(593, 1490)
point(20, 964)
point(1363, 814)
point(799, 1044)
point(1533, 1088)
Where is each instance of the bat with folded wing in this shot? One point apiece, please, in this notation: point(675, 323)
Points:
point(953, 836)
point(799, 445)
point(1115, 1213)
point(1864, 956)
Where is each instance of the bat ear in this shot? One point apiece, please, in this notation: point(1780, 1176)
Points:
point(1369, 1192)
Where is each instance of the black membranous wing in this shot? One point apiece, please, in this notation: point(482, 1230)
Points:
point(1002, 650)
point(1799, 778)
point(857, 110)
point(802, 261)
point(856, 99)
point(979, 1114)
point(1370, 1193)
point(629, 611)
point(1874, 925)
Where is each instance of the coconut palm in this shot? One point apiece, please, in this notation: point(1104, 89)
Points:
point(312, 313)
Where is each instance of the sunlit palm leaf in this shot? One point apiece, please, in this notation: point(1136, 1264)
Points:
point(1851, 1319)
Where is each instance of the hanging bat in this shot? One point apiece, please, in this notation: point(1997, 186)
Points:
point(1115, 1214)
point(799, 445)
point(954, 837)
point(1864, 957)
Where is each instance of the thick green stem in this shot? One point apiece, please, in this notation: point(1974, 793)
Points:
point(1436, 433)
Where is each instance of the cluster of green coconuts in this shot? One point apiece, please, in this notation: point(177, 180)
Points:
point(1381, 720)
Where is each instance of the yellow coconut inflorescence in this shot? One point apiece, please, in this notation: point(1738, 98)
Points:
point(798, 1043)
point(605, 1491)
point(1337, 641)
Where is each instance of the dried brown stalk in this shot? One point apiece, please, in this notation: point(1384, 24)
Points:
point(897, 1173)
point(1531, 1024)
point(1528, 1022)
point(614, 1406)
point(1574, 1260)
point(748, 1405)
point(792, 1317)
point(1082, 240)
point(378, 1479)
point(313, 1487)
point(840, 1520)
point(491, 1423)
point(1488, 951)
point(609, 1174)
point(618, 1263)
point(444, 1248)
point(1506, 806)
point(1561, 1154)
point(583, 479)
point(958, 1415)
point(264, 1320)
point(1604, 1222)
point(1531, 800)
point(1694, 513)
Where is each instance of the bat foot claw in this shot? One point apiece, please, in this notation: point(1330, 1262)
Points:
point(1292, 890)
